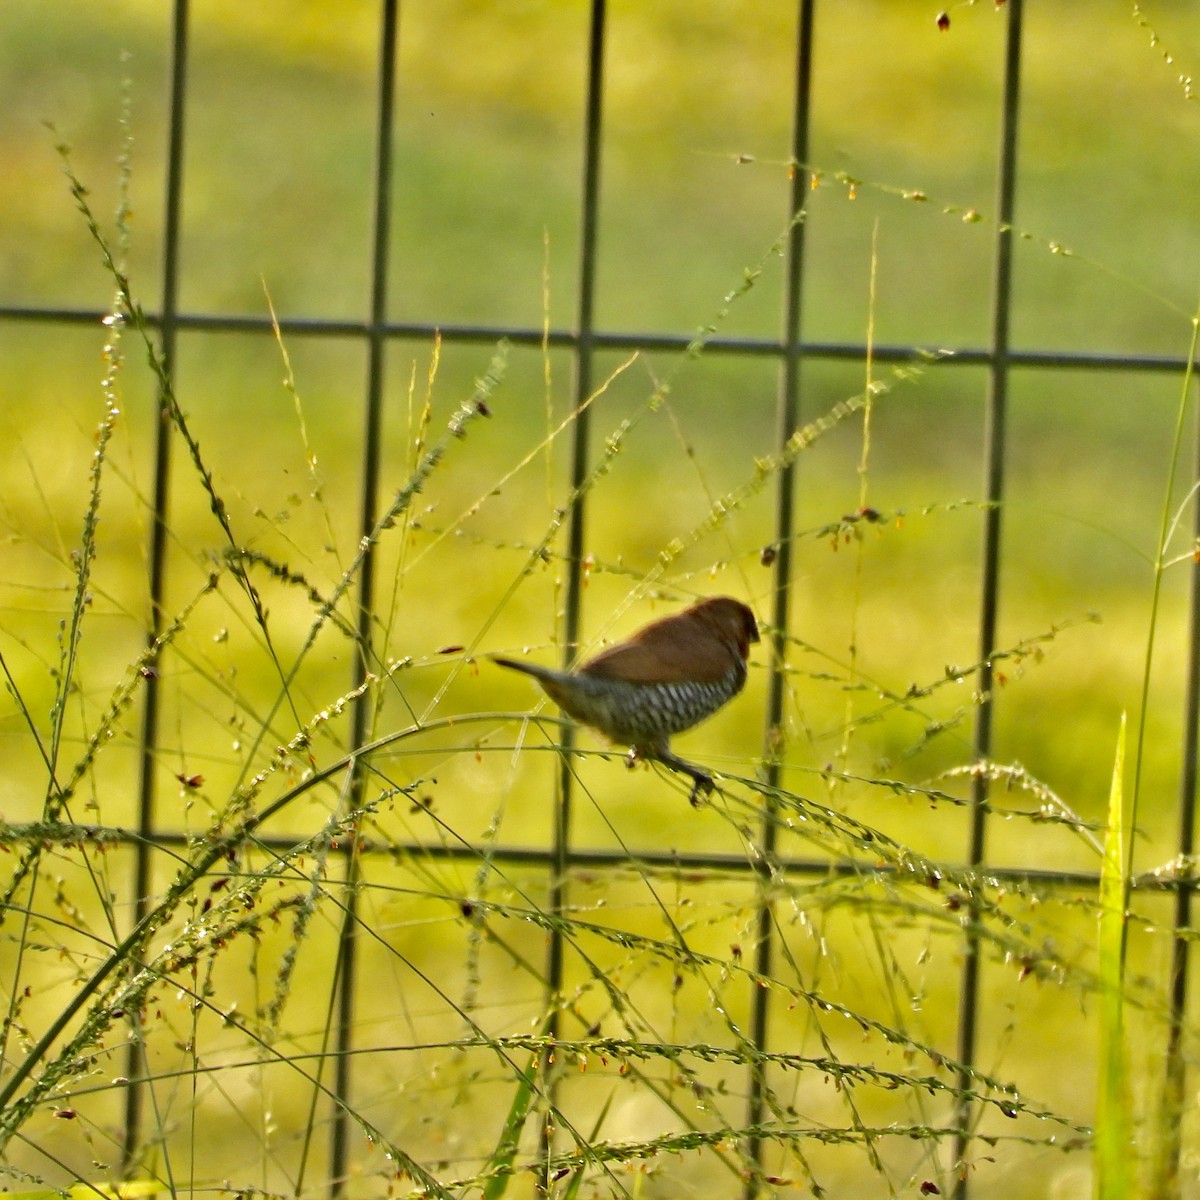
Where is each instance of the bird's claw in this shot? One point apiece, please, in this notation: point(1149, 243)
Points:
point(701, 786)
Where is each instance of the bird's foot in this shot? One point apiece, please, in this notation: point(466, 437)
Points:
point(701, 785)
point(702, 781)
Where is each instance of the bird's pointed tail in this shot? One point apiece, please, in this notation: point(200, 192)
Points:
point(528, 668)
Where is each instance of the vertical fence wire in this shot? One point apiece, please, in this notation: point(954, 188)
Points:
point(346, 977)
point(1176, 1064)
point(584, 345)
point(788, 413)
point(994, 461)
point(135, 1069)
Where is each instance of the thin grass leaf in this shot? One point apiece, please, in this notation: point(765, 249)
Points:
point(505, 1153)
point(577, 1179)
point(1112, 1103)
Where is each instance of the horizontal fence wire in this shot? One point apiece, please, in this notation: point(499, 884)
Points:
point(1039, 878)
point(602, 339)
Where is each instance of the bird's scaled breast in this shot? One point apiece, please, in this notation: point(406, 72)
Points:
point(642, 713)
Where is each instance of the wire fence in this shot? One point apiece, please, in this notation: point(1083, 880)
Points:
point(586, 341)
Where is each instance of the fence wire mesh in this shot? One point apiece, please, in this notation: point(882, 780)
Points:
point(338, 914)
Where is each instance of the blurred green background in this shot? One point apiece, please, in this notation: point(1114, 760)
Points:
point(486, 210)
point(489, 116)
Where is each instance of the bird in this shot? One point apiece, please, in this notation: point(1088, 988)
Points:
point(669, 676)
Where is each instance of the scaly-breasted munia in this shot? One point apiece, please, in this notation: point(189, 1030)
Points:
point(666, 678)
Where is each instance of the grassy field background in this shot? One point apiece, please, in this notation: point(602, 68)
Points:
point(486, 227)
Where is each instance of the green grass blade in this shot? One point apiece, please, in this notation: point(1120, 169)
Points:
point(505, 1153)
point(1112, 1105)
point(573, 1187)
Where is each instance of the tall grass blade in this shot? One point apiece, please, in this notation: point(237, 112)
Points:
point(572, 1190)
point(505, 1153)
point(1112, 1099)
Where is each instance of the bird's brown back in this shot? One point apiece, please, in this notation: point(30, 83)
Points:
point(702, 644)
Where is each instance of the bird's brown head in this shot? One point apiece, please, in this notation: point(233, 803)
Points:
point(730, 620)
